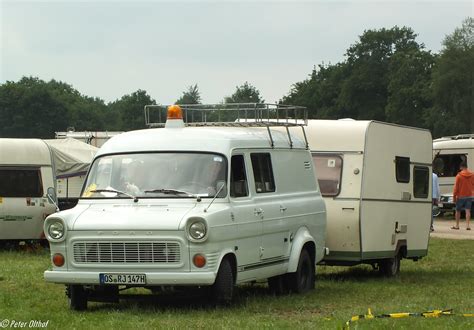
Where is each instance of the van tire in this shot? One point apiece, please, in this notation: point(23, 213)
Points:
point(77, 297)
point(390, 267)
point(222, 291)
point(303, 279)
point(278, 284)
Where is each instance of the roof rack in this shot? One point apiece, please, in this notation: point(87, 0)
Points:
point(234, 115)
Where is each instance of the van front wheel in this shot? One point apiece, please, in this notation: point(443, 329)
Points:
point(77, 297)
point(222, 291)
point(303, 279)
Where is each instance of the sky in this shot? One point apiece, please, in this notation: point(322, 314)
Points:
point(107, 49)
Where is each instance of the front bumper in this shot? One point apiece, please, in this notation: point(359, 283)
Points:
point(152, 278)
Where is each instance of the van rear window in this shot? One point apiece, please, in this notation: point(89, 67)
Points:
point(20, 182)
point(329, 171)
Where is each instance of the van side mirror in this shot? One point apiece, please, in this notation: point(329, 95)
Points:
point(51, 194)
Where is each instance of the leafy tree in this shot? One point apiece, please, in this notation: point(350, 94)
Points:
point(453, 84)
point(365, 92)
point(190, 96)
point(245, 93)
point(129, 110)
point(409, 89)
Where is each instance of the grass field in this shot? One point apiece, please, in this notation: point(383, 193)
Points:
point(444, 279)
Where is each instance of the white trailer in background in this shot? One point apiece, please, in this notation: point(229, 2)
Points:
point(71, 159)
point(94, 138)
point(26, 173)
point(376, 182)
point(448, 153)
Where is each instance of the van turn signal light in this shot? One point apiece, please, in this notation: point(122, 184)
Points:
point(58, 260)
point(199, 260)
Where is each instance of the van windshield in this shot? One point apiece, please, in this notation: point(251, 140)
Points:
point(156, 175)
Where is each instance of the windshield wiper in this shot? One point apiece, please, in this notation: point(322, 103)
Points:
point(135, 199)
point(168, 191)
point(172, 191)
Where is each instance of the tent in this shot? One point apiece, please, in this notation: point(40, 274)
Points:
point(71, 157)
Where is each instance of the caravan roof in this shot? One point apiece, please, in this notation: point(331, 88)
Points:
point(24, 152)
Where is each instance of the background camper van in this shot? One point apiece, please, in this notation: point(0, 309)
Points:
point(448, 153)
point(26, 173)
point(376, 182)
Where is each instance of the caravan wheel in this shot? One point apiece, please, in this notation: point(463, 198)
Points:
point(390, 267)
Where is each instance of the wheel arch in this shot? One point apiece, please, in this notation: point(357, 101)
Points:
point(302, 239)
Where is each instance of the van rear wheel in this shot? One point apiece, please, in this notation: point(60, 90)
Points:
point(77, 297)
point(303, 279)
point(390, 267)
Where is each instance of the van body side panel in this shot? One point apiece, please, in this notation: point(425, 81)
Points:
point(390, 211)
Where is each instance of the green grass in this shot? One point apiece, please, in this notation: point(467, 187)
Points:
point(444, 279)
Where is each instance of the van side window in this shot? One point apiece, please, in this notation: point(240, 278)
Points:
point(262, 172)
point(20, 182)
point(402, 169)
point(238, 178)
point(421, 181)
point(329, 172)
point(448, 165)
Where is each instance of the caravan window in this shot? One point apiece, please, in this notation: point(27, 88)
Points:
point(402, 169)
point(20, 182)
point(263, 173)
point(329, 172)
point(448, 165)
point(421, 181)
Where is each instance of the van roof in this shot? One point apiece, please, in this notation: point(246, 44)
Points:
point(202, 139)
point(24, 152)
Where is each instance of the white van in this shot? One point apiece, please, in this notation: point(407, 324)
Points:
point(192, 206)
point(376, 182)
point(448, 153)
point(26, 174)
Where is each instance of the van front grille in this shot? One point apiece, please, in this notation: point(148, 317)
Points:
point(127, 252)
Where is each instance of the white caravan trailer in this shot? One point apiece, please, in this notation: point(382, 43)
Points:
point(448, 153)
point(94, 138)
point(71, 159)
point(26, 173)
point(376, 182)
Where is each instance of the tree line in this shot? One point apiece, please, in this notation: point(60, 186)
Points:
point(386, 75)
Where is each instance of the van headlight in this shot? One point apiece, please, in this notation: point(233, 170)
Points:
point(197, 229)
point(55, 229)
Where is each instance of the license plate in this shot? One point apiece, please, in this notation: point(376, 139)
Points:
point(440, 205)
point(118, 279)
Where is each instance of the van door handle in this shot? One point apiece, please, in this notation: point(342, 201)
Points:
point(283, 208)
point(258, 211)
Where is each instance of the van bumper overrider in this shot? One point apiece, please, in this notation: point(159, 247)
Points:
point(181, 278)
